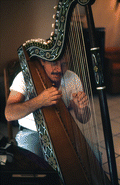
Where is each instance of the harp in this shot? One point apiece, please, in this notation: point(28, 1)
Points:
point(66, 143)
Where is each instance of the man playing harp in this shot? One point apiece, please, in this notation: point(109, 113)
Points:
point(66, 85)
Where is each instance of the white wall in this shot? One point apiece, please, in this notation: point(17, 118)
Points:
point(107, 14)
point(22, 20)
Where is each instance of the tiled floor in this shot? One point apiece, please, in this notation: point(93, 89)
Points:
point(114, 110)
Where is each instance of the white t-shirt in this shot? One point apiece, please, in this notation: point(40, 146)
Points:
point(70, 83)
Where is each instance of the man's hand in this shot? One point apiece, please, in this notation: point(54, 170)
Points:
point(80, 99)
point(50, 96)
point(79, 103)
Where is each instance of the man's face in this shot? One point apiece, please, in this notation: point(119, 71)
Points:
point(55, 69)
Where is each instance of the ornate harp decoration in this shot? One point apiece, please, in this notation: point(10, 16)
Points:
point(67, 144)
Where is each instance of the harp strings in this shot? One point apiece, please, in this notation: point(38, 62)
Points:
point(76, 55)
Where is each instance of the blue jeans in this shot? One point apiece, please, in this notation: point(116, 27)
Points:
point(29, 140)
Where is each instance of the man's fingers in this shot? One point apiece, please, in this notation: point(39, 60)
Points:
point(80, 98)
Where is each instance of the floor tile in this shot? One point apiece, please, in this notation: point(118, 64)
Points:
point(115, 126)
point(116, 141)
point(118, 166)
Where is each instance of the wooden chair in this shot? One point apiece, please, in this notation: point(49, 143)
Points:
point(10, 71)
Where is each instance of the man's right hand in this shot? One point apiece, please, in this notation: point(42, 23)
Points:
point(50, 96)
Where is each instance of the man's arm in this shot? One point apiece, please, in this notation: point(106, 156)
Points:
point(17, 108)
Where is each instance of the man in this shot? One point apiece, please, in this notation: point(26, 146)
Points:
point(66, 85)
